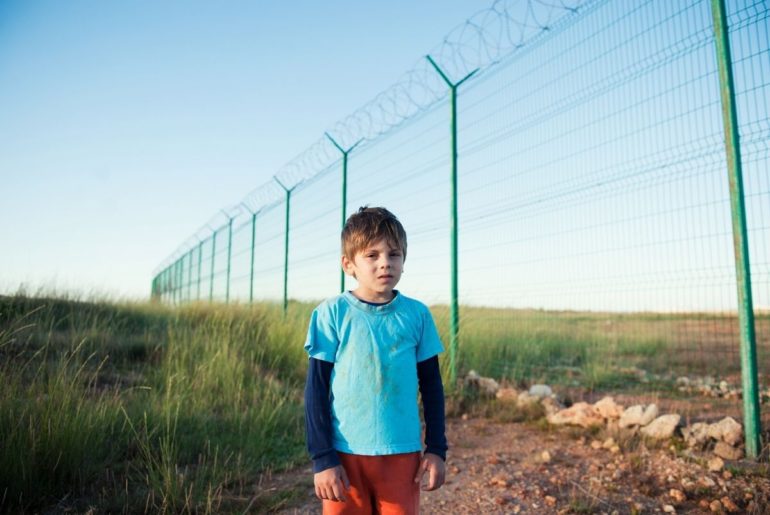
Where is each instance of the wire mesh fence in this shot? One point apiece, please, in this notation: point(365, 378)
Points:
point(595, 235)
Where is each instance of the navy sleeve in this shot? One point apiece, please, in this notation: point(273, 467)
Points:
point(318, 415)
point(432, 393)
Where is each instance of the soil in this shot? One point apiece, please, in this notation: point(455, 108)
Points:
point(505, 467)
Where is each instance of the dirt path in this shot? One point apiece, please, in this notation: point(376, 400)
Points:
point(519, 468)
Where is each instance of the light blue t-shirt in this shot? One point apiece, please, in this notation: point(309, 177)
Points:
point(375, 350)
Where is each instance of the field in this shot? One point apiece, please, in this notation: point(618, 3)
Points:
point(140, 407)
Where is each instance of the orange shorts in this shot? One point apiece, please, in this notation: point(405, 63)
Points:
point(379, 484)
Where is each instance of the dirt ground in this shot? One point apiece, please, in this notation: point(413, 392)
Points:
point(497, 467)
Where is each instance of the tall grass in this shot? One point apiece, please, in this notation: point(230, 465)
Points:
point(137, 407)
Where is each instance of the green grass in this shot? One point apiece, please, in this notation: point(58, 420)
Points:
point(135, 407)
point(139, 407)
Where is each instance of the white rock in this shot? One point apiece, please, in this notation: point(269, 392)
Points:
point(507, 394)
point(631, 416)
point(485, 385)
point(650, 413)
point(662, 427)
point(608, 408)
point(638, 415)
point(726, 430)
point(727, 452)
point(716, 464)
point(696, 435)
point(525, 399)
point(580, 414)
point(540, 390)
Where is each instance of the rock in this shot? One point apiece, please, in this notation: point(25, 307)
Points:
point(550, 500)
point(726, 430)
point(596, 444)
point(715, 506)
point(706, 482)
point(551, 405)
point(615, 449)
point(545, 456)
point(631, 416)
point(683, 381)
point(488, 386)
point(724, 388)
point(540, 390)
point(726, 474)
point(667, 508)
point(525, 399)
point(498, 481)
point(729, 505)
point(704, 504)
point(485, 385)
point(662, 427)
point(501, 500)
point(727, 452)
point(638, 415)
point(507, 394)
point(650, 412)
point(696, 435)
point(677, 495)
point(580, 414)
point(608, 408)
point(609, 443)
point(716, 464)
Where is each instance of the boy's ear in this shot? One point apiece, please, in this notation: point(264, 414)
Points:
point(347, 266)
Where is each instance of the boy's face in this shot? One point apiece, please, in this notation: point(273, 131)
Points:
point(377, 268)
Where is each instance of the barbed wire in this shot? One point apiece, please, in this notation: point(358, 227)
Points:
point(479, 43)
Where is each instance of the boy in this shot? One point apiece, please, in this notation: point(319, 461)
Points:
point(370, 350)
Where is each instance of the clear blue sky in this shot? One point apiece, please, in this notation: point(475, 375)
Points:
point(126, 125)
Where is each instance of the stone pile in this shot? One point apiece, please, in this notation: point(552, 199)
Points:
point(723, 438)
point(708, 387)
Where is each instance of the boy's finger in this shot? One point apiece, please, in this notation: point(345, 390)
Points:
point(337, 491)
point(431, 479)
point(421, 470)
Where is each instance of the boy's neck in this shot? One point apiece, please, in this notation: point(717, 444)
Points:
point(374, 297)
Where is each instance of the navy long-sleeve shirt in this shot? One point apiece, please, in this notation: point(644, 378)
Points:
point(318, 421)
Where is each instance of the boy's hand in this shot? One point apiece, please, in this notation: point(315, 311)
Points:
point(434, 466)
point(331, 484)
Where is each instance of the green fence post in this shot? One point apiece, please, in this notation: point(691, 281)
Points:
point(286, 248)
point(229, 256)
point(345, 154)
point(167, 286)
point(174, 280)
point(454, 310)
point(162, 285)
point(740, 234)
point(180, 279)
point(253, 241)
point(213, 258)
point(189, 274)
point(200, 263)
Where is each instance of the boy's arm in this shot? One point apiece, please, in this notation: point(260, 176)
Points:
point(432, 393)
point(318, 423)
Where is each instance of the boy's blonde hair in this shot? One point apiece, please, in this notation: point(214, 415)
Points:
point(369, 225)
